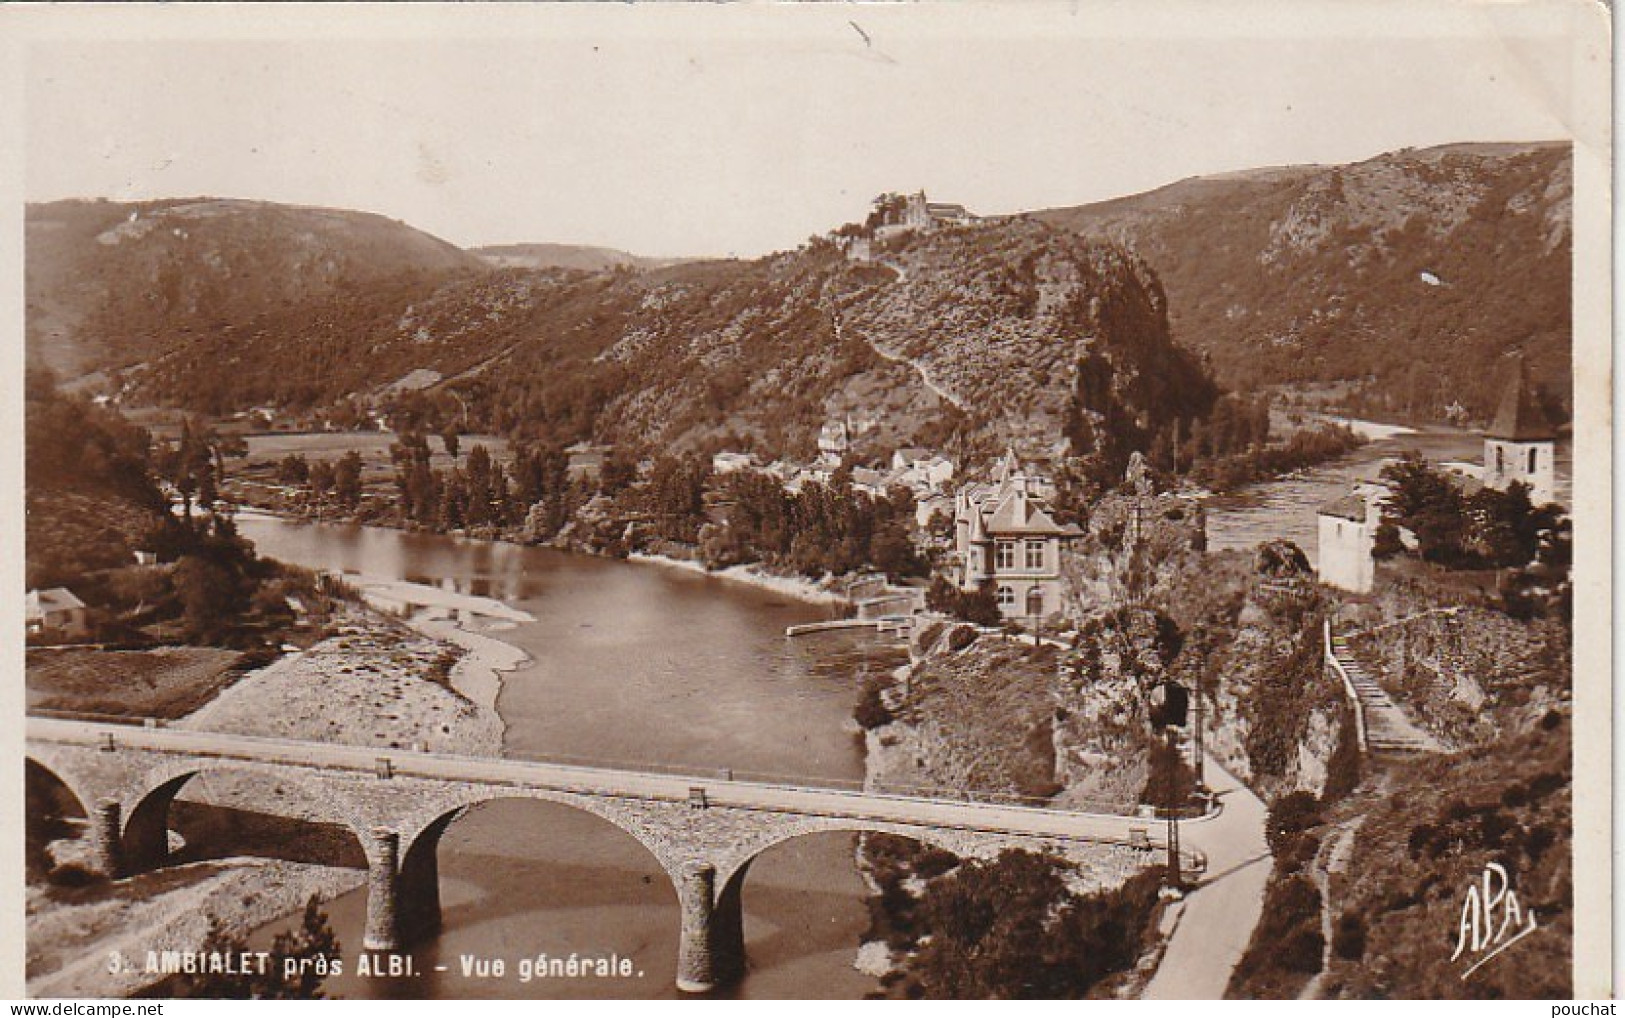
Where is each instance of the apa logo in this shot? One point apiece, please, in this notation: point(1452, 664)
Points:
point(1491, 920)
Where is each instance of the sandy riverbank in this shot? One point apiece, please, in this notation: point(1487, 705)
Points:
point(1371, 431)
point(377, 681)
point(790, 586)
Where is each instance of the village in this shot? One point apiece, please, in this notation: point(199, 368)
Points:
point(996, 531)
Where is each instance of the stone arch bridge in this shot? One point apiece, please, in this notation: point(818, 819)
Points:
point(704, 832)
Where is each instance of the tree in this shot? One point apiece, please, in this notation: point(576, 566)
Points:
point(293, 469)
point(1170, 782)
point(980, 606)
point(347, 480)
point(886, 209)
point(448, 437)
point(300, 962)
point(1425, 501)
point(209, 595)
point(1009, 928)
point(321, 478)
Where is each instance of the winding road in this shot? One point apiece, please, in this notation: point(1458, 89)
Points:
point(1220, 914)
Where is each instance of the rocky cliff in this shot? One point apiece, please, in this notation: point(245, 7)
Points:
point(1415, 270)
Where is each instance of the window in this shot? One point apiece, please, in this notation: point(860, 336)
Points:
point(1534, 454)
point(1035, 554)
point(1500, 459)
point(1006, 597)
point(1005, 557)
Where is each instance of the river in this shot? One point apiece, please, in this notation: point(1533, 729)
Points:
point(632, 664)
point(640, 664)
point(1286, 507)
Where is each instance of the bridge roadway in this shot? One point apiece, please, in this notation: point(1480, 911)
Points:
point(704, 829)
point(852, 804)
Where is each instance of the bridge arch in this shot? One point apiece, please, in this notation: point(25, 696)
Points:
point(145, 832)
point(62, 774)
point(418, 892)
point(729, 933)
point(965, 845)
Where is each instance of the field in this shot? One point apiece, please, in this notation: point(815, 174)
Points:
point(165, 683)
point(265, 450)
point(372, 445)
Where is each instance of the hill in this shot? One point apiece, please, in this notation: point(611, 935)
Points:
point(566, 256)
point(973, 336)
point(111, 284)
point(1417, 270)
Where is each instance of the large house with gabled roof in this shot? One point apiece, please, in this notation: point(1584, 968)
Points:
point(1005, 535)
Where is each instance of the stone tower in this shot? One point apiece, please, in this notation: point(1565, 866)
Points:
point(1521, 444)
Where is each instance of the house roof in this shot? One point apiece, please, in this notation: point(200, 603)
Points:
point(1520, 417)
point(1008, 467)
point(54, 599)
point(1018, 513)
point(1349, 507)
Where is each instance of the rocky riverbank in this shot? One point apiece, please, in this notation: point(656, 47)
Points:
point(376, 681)
point(975, 711)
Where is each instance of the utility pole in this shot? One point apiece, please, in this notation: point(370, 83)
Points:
point(1199, 764)
point(1172, 877)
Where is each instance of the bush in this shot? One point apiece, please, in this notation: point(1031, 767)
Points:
point(72, 874)
point(1289, 817)
point(1009, 928)
point(1348, 937)
point(1286, 944)
point(871, 711)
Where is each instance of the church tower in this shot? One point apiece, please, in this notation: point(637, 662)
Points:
point(1521, 444)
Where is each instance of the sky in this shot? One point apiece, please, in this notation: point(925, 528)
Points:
point(736, 131)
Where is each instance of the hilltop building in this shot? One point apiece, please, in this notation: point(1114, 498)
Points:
point(1522, 443)
point(920, 214)
point(1347, 535)
point(1004, 533)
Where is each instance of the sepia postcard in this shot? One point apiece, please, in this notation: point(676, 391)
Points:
point(772, 501)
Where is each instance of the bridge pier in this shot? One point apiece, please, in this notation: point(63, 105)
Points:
point(106, 839)
point(710, 952)
point(383, 932)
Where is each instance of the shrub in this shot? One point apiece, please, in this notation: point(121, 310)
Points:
point(871, 711)
point(1290, 816)
point(1348, 937)
point(72, 874)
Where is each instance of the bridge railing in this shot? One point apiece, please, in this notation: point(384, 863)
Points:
point(694, 774)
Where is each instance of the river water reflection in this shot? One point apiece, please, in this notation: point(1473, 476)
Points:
point(632, 664)
point(641, 664)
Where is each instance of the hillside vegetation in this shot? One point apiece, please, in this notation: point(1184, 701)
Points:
point(111, 284)
point(1415, 270)
point(973, 338)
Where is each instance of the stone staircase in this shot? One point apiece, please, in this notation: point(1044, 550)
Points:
point(1387, 729)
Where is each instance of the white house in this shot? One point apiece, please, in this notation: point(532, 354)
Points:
point(731, 462)
point(921, 469)
point(834, 440)
point(56, 613)
point(1347, 535)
